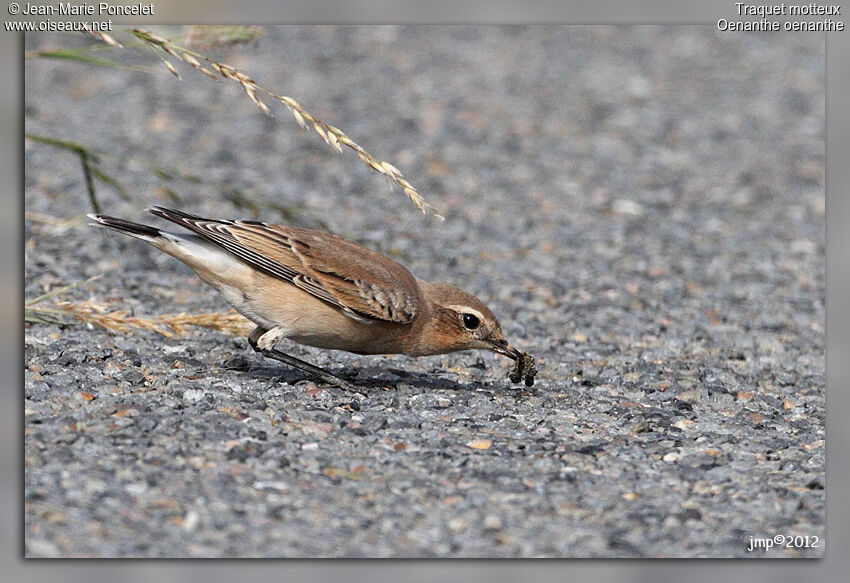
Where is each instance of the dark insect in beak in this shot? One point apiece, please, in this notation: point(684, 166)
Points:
point(524, 368)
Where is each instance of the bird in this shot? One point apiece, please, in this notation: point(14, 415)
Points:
point(320, 289)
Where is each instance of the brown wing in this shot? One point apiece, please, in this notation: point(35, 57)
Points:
point(363, 283)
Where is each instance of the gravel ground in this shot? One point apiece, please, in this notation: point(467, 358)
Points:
point(642, 207)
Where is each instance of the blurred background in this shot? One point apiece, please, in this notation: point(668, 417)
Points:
point(584, 135)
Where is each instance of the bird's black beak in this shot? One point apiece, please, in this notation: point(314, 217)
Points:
point(502, 347)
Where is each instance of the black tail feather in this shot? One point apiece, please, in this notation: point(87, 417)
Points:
point(128, 227)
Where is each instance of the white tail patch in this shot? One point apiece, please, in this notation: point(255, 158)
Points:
point(203, 257)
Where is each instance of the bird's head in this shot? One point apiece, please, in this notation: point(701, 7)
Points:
point(462, 322)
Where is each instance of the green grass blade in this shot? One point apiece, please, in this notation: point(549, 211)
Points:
point(58, 290)
point(74, 55)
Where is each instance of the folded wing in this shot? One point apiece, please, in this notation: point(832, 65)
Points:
point(364, 284)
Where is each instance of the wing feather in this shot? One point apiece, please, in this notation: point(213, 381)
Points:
point(364, 284)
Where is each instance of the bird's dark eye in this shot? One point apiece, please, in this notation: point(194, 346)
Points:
point(470, 321)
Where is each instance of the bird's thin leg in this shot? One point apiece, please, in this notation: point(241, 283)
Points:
point(263, 346)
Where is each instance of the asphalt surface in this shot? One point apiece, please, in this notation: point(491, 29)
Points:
point(642, 207)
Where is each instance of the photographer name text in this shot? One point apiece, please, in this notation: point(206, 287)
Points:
point(101, 9)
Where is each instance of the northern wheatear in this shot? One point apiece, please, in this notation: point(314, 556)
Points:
point(322, 290)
